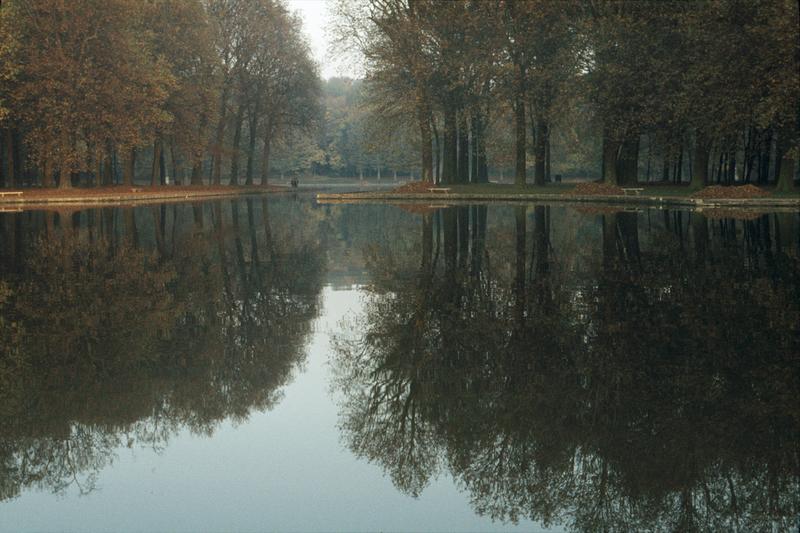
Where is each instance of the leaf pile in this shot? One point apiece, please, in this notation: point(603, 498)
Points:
point(415, 186)
point(737, 191)
point(592, 188)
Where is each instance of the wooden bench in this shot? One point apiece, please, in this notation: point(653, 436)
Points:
point(10, 193)
point(439, 189)
point(628, 190)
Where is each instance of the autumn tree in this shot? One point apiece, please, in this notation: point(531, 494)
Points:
point(85, 82)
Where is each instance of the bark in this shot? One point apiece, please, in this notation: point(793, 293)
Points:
point(786, 165)
point(251, 148)
point(237, 140)
point(265, 160)
point(8, 158)
point(519, 140)
point(47, 174)
point(609, 166)
point(463, 148)
point(437, 176)
point(197, 172)
point(702, 152)
point(108, 164)
point(450, 163)
point(162, 164)
point(220, 136)
point(130, 168)
point(628, 162)
point(480, 147)
point(539, 176)
point(155, 174)
point(64, 178)
point(424, 119)
point(176, 176)
point(764, 157)
point(547, 158)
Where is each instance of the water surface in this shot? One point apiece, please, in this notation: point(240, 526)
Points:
point(276, 364)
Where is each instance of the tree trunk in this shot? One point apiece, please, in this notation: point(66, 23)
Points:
point(539, 175)
point(130, 168)
point(155, 174)
point(628, 162)
point(450, 163)
point(237, 140)
point(8, 158)
point(609, 165)
point(519, 140)
point(479, 167)
point(786, 162)
point(265, 160)
point(47, 174)
point(108, 164)
point(64, 178)
point(251, 148)
point(437, 177)
point(463, 148)
point(424, 119)
point(176, 173)
point(220, 137)
point(764, 157)
point(699, 175)
point(547, 158)
point(162, 164)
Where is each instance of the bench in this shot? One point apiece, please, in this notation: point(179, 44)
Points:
point(439, 189)
point(136, 189)
point(10, 193)
point(628, 190)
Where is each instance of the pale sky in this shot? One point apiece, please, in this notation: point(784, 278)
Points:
point(315, 15)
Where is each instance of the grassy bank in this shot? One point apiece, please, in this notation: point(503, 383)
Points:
point(649, 189)
point(125, 194)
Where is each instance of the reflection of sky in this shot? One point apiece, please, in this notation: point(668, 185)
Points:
point(284, 470)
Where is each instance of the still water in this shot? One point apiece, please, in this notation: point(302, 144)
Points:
point(274, 364)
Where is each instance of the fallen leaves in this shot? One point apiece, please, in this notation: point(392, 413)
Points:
point(415, 186)
point(592, 188)
point(734, 192)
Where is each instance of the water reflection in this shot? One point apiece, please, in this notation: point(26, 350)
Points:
point(606, 369)
point(121, 327)
point(611, 371)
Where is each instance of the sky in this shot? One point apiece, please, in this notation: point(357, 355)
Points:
point(315, 15)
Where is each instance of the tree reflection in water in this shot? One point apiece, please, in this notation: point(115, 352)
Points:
point(612, 372)
point(122, 327)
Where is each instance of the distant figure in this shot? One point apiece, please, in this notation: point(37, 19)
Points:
point(558, 178)
point(294, 183)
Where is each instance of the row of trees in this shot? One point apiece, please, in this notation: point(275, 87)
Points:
point(659, 78)
point(95, 89)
